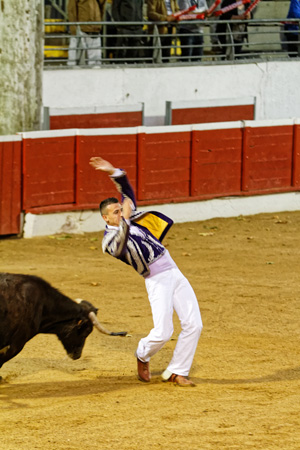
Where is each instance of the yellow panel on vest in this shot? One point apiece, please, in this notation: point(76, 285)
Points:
point(154, 224)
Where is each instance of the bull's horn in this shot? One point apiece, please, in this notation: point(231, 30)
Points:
point(97, 324)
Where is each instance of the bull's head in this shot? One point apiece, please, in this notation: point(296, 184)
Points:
point(74, 334)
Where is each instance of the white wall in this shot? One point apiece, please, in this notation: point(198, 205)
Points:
point(274, 84)
point(78, 222)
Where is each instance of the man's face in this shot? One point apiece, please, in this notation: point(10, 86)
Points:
point(113, 214)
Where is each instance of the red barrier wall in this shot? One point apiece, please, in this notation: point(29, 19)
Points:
point(164, 164)
point(108, 120)
point(216, 162)
point(48, 171)
point(267, 158)
point(212, 114)
point(10, 186)
point(94, 186)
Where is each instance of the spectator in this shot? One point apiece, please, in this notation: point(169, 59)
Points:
point(215, 44)
point(162, 11)
point(239, 31)
point(191, 34)
point(292, 29)
point(129, 36)
point(111, 33)
point(85, 37)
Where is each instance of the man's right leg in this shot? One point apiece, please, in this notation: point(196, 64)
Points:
point(160, 293)
point(72, 52)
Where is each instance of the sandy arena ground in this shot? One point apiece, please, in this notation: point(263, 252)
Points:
point(245, 272)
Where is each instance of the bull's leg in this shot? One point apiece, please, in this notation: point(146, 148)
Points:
point(8, 352)
point(3, 352)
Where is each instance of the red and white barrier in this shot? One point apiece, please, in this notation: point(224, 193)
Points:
point(166, 165)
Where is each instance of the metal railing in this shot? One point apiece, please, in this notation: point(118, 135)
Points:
point(133, 43)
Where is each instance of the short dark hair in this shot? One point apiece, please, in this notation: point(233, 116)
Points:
point(108, 201)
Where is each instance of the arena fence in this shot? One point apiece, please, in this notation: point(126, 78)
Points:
point(264, 39)
point(49, 171)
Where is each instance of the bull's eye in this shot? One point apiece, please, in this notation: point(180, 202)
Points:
point(79, 322)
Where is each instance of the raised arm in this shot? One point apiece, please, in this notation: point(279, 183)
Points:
point(120, 179)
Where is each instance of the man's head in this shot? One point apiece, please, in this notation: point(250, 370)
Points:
point(111, 211)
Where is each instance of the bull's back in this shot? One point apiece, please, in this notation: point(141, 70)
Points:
point(21, 306)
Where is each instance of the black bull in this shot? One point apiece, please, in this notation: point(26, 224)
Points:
point(29, 306)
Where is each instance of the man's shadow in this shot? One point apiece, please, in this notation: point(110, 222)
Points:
point(280, 375)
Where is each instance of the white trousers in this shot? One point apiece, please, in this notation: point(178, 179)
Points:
point(77, 45)
point(168, 291)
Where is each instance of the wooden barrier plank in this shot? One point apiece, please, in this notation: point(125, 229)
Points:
point(94, 186)
point(164, 166)
point(216, 162)
point(10, 186)
point(48, 171)
point(267, 158)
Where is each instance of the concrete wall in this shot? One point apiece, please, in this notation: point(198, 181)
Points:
point(274, 84)
point(79, 222)
point(21, 62)
point(272, 10)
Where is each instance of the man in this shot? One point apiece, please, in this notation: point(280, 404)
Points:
point(162, 11)
point(191, 34)
point(135, 238)
point(292, 29)
point(239, 31)
point(129, 41)
point(85, 37)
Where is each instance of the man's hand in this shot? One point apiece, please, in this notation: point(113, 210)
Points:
point(100, 164)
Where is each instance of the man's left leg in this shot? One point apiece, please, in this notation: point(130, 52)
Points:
point(187, 309)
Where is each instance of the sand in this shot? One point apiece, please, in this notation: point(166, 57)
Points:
point(245, 272)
